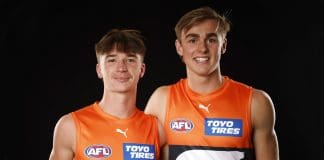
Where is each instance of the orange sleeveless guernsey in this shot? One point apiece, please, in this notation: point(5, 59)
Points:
point(215, 126)
point(105, 137)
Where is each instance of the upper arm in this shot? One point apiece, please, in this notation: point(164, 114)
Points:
point(263, 121)
point(156, 104)
point(161, 133)
point(164, 154)
point(63, 139)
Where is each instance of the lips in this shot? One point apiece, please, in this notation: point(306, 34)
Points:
point(122, 79)
point(201, 59)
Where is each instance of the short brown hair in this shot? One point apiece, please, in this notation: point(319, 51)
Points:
point(198, 15)
point(123, 40)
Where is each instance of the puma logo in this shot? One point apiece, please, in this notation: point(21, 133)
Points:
point(201, 106)
point(122, 132)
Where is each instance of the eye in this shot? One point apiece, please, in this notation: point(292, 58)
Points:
point(110, 60)
point(193, 40)
point(131, 60)
point(212, 40)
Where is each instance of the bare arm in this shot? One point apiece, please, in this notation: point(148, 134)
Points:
point(157, 106)
point(63, 139)
point(165, 152)
point(162, 140)
point(263, 120)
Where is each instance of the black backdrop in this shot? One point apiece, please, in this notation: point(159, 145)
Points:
point(48, 63)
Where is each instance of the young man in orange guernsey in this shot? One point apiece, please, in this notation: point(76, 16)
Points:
point(208, 115)
point(112, 128)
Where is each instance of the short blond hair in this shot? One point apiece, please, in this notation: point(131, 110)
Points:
point(199, 15)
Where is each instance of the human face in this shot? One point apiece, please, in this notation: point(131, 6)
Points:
point(120, 71)
point(201, 48)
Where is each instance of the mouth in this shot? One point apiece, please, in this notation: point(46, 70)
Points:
point(201, 59)
point(122, 79)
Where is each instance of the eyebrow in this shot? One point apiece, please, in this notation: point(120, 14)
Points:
point(212, 35)
point(194, 35)
point(190, 35)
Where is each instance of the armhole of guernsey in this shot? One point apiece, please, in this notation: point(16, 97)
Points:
point(77, 134)
point(249, 114)
point(167, 106)
point(157, 135)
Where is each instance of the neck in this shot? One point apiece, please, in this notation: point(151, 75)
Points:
point(120, 105)
point(204, 84)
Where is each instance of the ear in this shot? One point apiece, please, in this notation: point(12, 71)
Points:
point(98, 69)
point(178, 47)
point(143, 69)
point(224, 45)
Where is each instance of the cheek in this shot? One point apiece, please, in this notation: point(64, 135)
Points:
point(135, 70)
point(188, 51)
point(189, 48)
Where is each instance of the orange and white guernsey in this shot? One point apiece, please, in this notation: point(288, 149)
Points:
point(215, 126)
point(105, 137)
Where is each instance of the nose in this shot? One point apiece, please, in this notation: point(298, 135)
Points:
point(122, 66)
point(202, 46)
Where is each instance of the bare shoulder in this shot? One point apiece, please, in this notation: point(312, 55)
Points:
point(65, 123)
point(261, 98)
point(64, 133)
point(159, 96)
point(63, 138)
point(156, 104)
point(161, 91)
point(262, 108)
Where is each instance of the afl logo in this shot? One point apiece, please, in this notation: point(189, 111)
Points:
point(181, 125)
point(98, 151)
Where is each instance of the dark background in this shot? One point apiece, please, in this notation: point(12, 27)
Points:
point(48, 63)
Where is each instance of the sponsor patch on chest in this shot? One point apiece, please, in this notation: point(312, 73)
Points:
point(138, 151)
point(223, 127)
